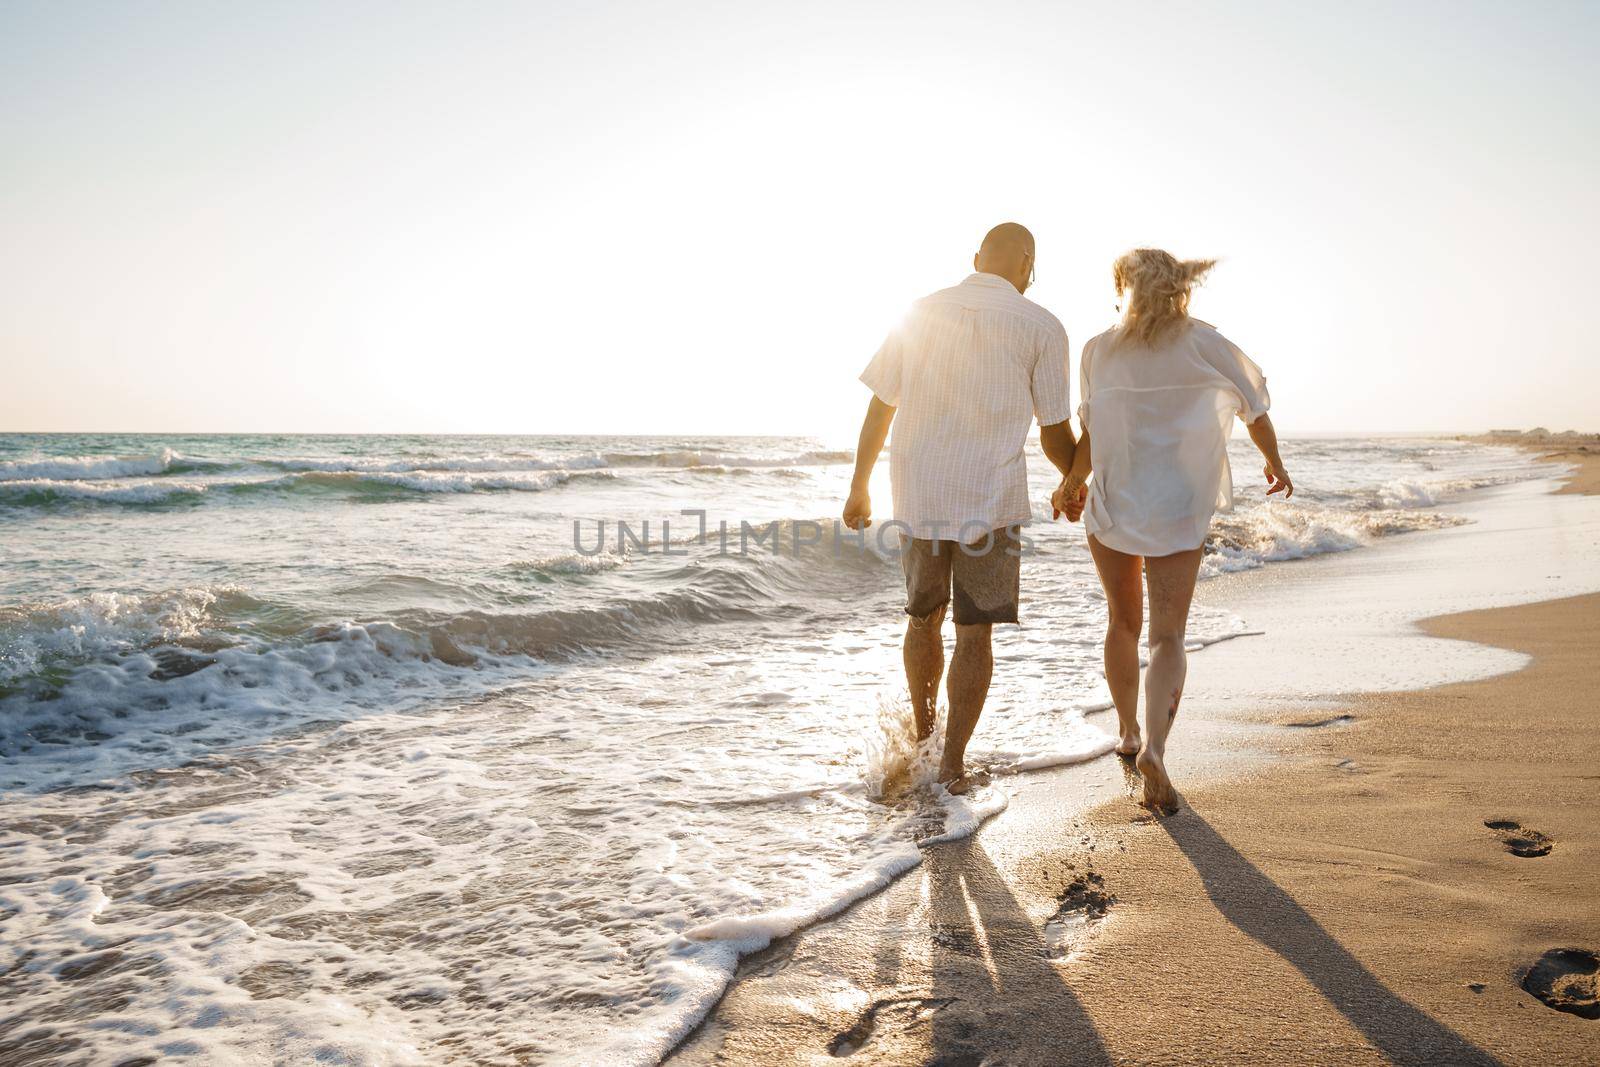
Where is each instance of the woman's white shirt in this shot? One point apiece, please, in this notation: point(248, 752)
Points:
point(1159, 418)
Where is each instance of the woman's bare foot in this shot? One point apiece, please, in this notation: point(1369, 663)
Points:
point(1159, 796)
point(1129, 743)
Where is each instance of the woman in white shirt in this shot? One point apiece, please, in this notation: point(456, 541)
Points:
point(1158, 393)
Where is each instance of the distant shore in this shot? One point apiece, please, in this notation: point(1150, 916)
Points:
point(1358, 879)
point(1580, 449)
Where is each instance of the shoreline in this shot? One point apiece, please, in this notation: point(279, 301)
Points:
point(1003, 930)
point(1582, 451)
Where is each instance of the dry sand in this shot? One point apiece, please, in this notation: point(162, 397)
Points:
point(1344, 904)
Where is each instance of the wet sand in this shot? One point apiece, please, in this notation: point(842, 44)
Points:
point(1332, 891)
point(1586, 459)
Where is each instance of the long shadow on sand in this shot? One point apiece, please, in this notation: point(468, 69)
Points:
point(1260, 908)
point(998, 998)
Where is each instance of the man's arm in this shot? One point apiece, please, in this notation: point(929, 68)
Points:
point(874, 432)
point(1059, 445)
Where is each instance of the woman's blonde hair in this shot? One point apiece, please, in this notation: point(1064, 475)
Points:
point(1157, 285)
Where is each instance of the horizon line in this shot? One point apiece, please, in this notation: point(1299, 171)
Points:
point(1456, 432)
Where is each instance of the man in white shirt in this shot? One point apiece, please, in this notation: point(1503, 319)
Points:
point(961, 380)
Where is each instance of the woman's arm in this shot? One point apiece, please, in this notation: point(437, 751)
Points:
point(1069, 497)
point(1082, 460)
point(1265, 437)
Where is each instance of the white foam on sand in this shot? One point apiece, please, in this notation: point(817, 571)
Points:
point(707, 956)
point(1347, 624)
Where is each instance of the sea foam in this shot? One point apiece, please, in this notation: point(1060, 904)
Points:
point(1254, 536)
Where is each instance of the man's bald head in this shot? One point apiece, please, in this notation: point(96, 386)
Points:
point(1007, 251)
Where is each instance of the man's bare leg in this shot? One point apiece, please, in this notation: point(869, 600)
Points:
point(1171, 580)
point(968, 686)
point(923, 653)
point(1123, 581)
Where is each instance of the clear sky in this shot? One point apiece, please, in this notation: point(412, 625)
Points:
point(702, 217)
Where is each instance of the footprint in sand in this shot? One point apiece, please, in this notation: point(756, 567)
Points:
point(1315, 724)
point(1519, 840)
point(1083, 905)
point(892, 1014)
point(1564, 979)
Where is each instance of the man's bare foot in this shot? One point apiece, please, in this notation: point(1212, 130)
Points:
point(1159, 796)
point(1129, 744)
point(958, 783)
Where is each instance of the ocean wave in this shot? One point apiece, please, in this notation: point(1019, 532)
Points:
point(153, 705)
point(1253, 536)
point(76, 468)
point(152, 479)
point(489, 463)
point(167, 461)
point(707, 591)
point(39, 639)
point(426, 481)
point(720, 470)
point(1410, 493)
point(702, 458)
point(570, 563)
point(143, 673)
point(149, 492)
point(41, 491)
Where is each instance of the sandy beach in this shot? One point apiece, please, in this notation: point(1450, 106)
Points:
point(1355, 879)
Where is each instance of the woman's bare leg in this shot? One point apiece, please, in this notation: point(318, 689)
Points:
point(1124, 586)
point(1171, 580)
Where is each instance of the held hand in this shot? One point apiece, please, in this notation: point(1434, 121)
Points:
point(1058, 500)
point(1075, 506)
point(1068, 499)
point(858, 510)
point(1278, 481)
